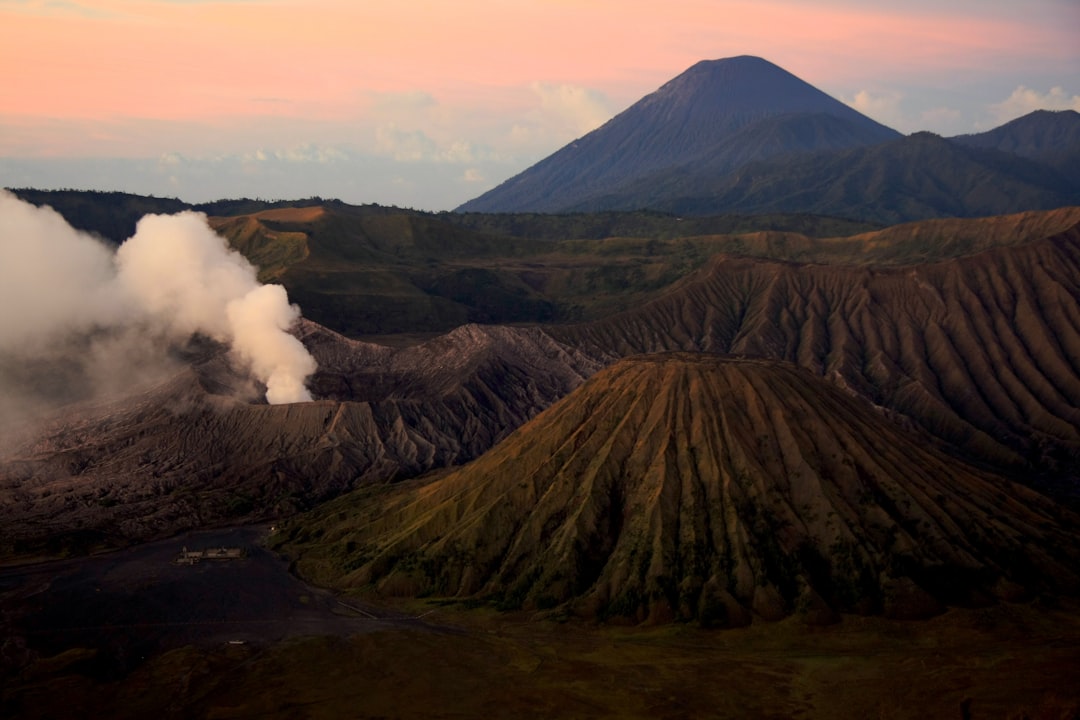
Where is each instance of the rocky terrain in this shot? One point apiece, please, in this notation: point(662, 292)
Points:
point(201, 449)
point(722, 388)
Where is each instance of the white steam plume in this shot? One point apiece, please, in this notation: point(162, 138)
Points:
point(259, 321)
point(182, 272)
point(53, 280)
point(67, 300)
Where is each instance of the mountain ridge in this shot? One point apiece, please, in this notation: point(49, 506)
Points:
point(920, 176)
point(965, 328)
point(1050, 137)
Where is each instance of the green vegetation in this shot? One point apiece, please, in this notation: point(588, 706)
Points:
point(371, 270)
point(367, 271)
point(109, 215)
point(648, 224)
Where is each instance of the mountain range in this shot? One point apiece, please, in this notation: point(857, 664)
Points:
point(741, 135)
point(952, 342)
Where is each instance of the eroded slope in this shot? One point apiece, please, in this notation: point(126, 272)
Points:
point(982, 351)
point(700, 487)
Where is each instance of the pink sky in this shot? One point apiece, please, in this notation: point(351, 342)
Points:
point(484, 80)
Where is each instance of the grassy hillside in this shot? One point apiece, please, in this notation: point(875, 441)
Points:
point(371, 272)
point(643, 223)
point(377, 271)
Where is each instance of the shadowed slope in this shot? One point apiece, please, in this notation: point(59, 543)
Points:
point(910, 178)
point(1052, 137)
point(366, 270)
point(982, 351)
point(695, 486)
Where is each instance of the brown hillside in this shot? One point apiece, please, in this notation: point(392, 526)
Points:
point(931, 240)
point(693, 486)
point(982, 351)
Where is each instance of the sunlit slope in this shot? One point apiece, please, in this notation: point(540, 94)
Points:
point(701, 487)
point(982, 351)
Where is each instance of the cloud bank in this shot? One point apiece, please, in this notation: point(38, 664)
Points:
point(78, 320)
point(1025, 100)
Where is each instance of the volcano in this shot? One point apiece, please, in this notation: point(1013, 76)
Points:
point(200, 449)
point(693, 486)
point(717, 115)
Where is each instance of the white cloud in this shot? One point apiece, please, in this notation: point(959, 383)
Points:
point(1025, 100)
point(302, 153)
point(941, 116)
point(582, 109)
point(473, 175)
point(902, 112)
point(885, 107)
point(403, 145)
point(417, 146)
point(361, 177)
point(458, 152)
point(397, 102)
point(170, 159)
point(309, 153)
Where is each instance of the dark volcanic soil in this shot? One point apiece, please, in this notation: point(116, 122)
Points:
point(134, 604)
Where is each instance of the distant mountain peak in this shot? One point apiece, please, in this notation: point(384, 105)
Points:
point(693, 118)
point(733, 91)
point(1039, 134)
